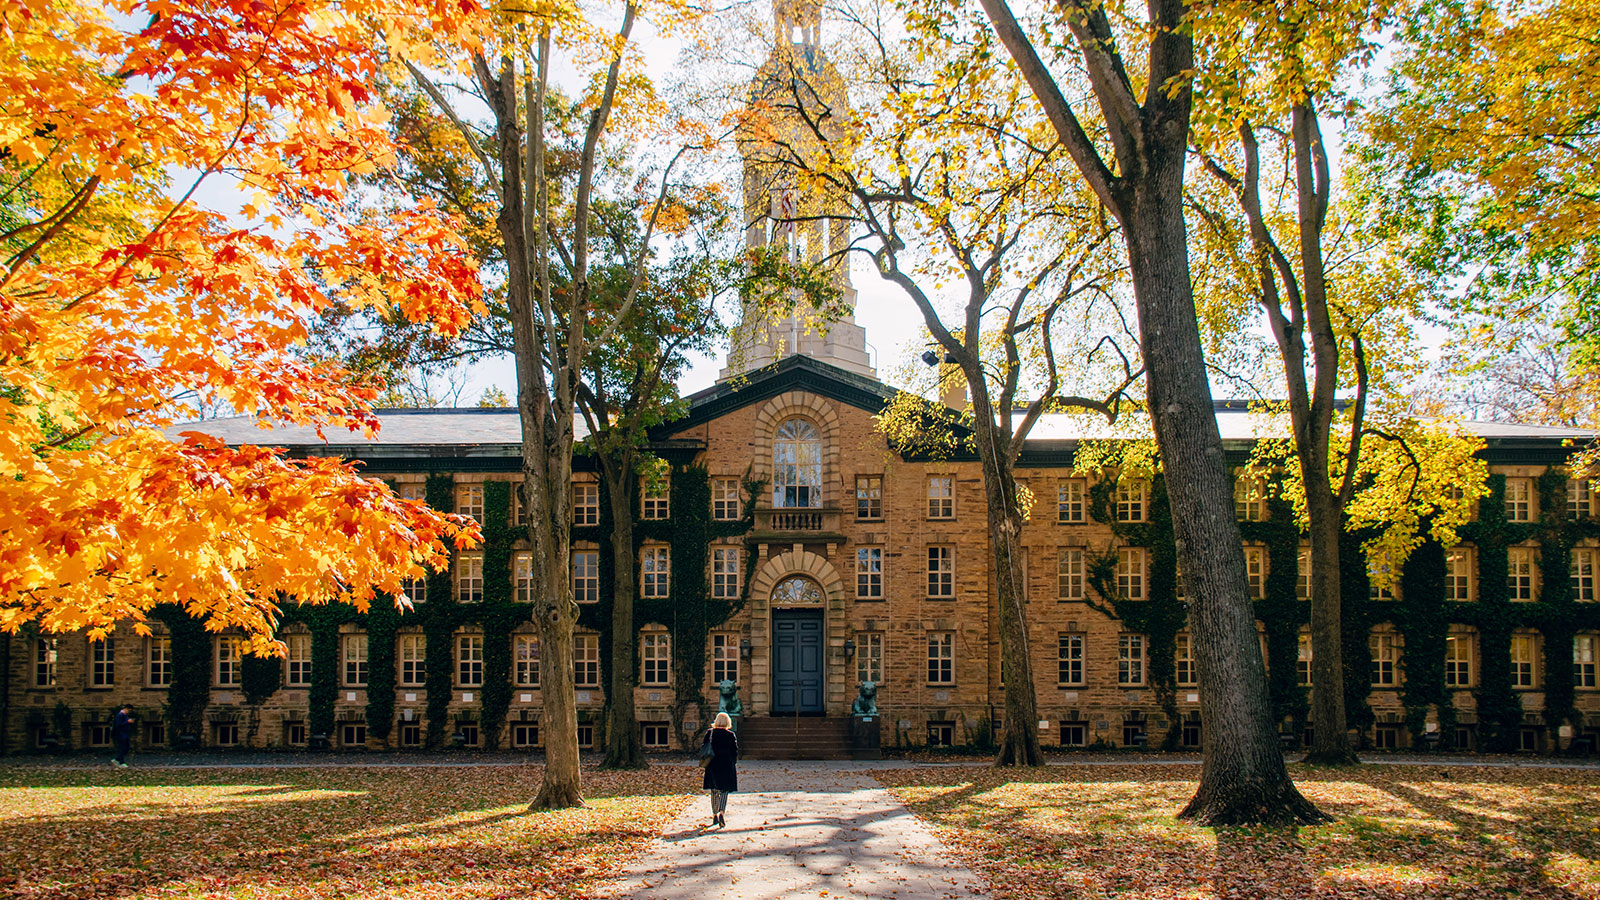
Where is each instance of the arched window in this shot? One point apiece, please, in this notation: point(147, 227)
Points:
point(797, 590)
point(797, 465)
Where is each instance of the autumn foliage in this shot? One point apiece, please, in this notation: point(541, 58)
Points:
point(127, 306)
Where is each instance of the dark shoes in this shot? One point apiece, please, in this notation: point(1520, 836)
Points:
point(718, 821)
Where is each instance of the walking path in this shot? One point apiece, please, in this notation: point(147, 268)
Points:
point(813, 830)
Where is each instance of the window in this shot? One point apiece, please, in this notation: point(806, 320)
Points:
point(1178, 590)
point(1249, 499)
point(655, 735)
point(299, 660)
point(1458, 571)
point(1074, 734)
point(1302, 662)
point(469, 660)
point(1583, 574)
point(413, 653)
point(724, 499)
point(869, 496)
point(797, 465)
point(525, 660)
point(1580, 498)
point(1069, 573)
point(229, 650)
point(158, 661)
point(524, 735)
point(413, 490)
point(1130, 573)
point(869, 573)
point(656, 647)
point(1523, 673)
point(1385, 654)
point(1302, 579)
point(410, 734)
point(1458, 661)
point(941, 734)
point(942, 572)
point(355, 660)
point(469, 500)
point(725, 573)
point(586, 576)
point(522, 575)
point(1519, 574)
point(941, 496)
point(724, 657)
point(1519, 499)
point(1380, 578)
point(469, 577)
point(1130, 660)
point(1583, 660)
point(653, 567)
point(585, 503)
point(586, 660)
point(353, 734)
point(654, 501)
point(869, 656)
point(1183, 652)
point(1070, 508)
point(1069, 659)
point(225, 734)
point(416, 590)
point(295, 733)
point(585, 736)
point(102, 663)
point(941, 657)
point(1131, 495)
point(45, 653)
point(1255, 569)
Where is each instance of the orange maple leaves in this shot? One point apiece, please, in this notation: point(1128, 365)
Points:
point(126, 306)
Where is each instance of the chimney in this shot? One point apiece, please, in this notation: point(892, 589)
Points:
point(952, 386)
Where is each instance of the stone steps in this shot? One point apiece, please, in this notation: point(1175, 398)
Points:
point(794, 738)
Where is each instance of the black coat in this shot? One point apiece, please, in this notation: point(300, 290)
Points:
point(723, 773)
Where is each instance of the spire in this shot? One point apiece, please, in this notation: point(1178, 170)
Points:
point(779, 213)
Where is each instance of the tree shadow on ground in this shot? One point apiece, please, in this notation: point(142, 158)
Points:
point(346, 832)
point(1103, 833)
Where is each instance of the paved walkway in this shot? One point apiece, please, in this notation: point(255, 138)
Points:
point(795, 830)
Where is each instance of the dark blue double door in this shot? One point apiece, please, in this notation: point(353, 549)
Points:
point(797, 662)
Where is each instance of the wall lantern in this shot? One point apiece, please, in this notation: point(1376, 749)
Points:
point(849, 649)
point(744, 649)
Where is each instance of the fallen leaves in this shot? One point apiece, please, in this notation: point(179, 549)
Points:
point(353, 833)
point(1402, 832)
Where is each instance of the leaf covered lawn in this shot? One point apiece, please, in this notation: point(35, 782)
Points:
point(1401, 832)
point(351, 833)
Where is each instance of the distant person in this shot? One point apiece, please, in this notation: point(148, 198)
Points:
point(722, 773)
point(122, 734)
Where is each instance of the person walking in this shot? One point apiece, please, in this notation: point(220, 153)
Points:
point(122, 734)
point(722, 773)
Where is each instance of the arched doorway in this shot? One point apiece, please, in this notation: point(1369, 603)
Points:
point(799, 644)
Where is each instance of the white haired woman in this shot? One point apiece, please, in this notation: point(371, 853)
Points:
point(722, 773)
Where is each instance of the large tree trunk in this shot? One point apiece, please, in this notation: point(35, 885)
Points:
point(624, 748)
point(1242, 777)
point(1019, 743)
point(546, 453)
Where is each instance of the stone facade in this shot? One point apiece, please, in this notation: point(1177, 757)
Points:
point(926, 631)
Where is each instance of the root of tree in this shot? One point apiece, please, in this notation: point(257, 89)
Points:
point(1242, 806)
point(1018, 753)
point(556, 797)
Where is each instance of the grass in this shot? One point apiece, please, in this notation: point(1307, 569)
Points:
point(1402, 832)
point(350, 833)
